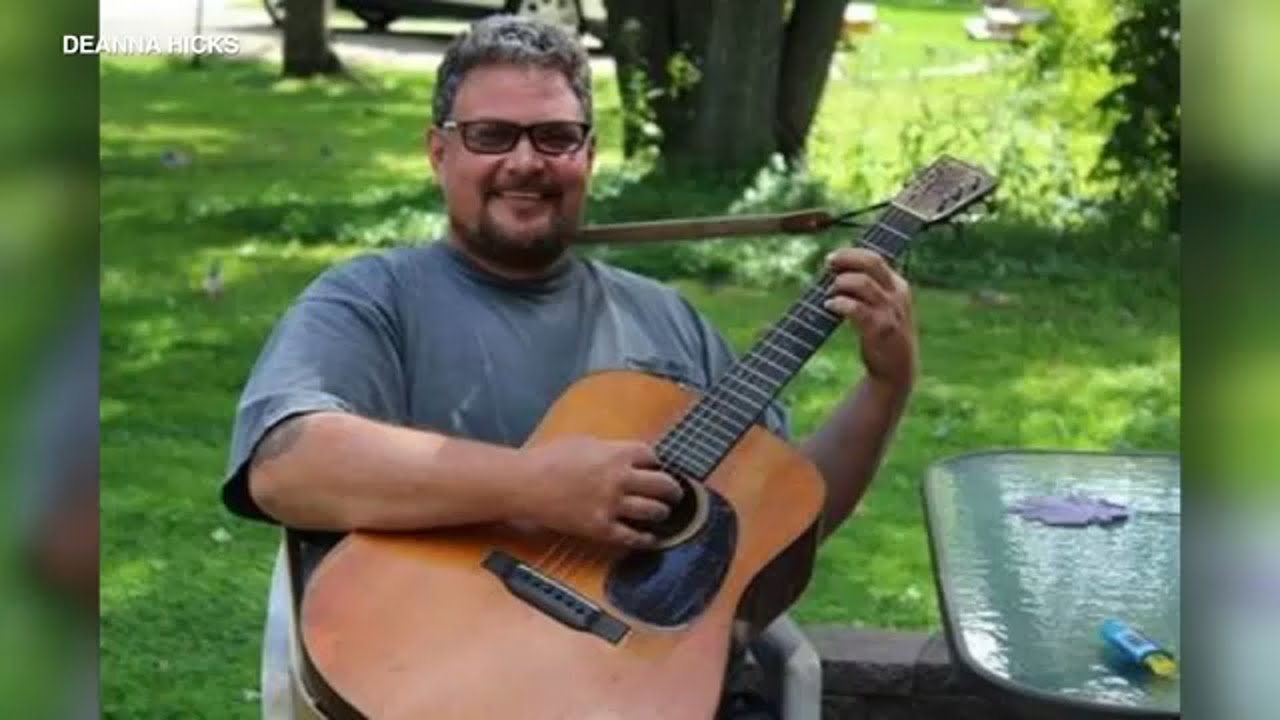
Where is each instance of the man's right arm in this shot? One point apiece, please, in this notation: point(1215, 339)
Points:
point(339, 472)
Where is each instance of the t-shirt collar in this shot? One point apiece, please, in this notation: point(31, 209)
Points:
point(557, 277)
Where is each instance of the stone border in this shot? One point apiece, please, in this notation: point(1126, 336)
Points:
point(870, 674)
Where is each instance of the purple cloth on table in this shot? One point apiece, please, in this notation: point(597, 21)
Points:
point(1070, 510)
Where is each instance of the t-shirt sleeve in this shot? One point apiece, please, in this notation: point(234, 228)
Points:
point(719, 356)
point(337, 348)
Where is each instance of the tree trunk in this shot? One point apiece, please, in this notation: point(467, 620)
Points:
point(727, 82)
point(306, 39)
point(733, 112)
point(811, 36)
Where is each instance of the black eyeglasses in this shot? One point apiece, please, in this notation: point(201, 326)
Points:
point(494, 137)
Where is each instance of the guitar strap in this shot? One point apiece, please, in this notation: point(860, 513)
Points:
point(791, 223)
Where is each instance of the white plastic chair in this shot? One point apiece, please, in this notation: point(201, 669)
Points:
point(788, 659)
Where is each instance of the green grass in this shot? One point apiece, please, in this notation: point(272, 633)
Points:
point(914, 35)
point(289, 177)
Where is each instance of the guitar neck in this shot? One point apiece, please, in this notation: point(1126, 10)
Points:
point(710, 429)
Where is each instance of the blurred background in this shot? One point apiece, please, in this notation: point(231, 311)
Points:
point(159, 212)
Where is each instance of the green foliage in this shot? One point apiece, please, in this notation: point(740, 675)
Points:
point(1143, 147)
point(643, 134)
point(1116, 65)
point(684, 75)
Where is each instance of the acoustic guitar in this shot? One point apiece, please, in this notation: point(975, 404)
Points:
point(499, 621)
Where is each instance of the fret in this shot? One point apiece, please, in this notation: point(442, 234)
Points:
point(724, 395)
point(768, 344)
point(814, 321)
point(820, 311)
point(765, 358)
point(731, 377)
point(685, 453)
point(798, 328)
point(822, 318)
point(881, 224)
point(866, 242)
point(674, 461)
point(709, 420)
point(796, 346)
point(704, 426)
point(789, 344)
point(775, 382)
point(891, 232)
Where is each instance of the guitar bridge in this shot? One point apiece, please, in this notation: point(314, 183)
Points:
point(553, 598)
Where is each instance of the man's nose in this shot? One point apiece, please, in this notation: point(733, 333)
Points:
point(524, 155)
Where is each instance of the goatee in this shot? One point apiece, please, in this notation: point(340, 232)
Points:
point(528, 254)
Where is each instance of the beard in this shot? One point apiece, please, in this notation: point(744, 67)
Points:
point(523, 253)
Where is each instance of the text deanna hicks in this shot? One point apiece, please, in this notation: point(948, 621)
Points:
point(151, 45)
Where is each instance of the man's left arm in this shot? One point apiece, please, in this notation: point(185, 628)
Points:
point(849, 447)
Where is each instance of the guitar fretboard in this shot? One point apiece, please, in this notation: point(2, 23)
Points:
point(710, 429)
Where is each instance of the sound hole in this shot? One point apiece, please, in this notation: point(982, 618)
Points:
point(673, 585)
point(685, 518)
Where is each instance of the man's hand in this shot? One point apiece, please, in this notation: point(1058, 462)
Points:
point(877, 300)
point(588, 488)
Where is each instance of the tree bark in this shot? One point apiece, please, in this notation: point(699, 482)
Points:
point(734, 110)
point(306, 39)
point(729, 81)
point(810, 41)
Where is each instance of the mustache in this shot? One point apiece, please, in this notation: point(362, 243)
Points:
point(531, 187)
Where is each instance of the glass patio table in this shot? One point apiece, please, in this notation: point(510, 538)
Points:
point(1023, 602)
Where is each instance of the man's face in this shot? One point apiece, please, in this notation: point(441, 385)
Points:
point(519, 209)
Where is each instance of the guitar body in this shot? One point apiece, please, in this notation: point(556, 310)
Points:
point(479, 622)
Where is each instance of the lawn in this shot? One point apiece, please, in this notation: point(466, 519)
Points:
point(278, 180)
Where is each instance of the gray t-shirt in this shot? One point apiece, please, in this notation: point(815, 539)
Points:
point(422, 337)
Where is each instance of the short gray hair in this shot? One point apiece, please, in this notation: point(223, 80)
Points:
point(512, 40)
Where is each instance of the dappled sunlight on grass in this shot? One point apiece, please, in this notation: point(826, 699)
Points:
point(1128, 405)
point(199, 138)
point(129, 581)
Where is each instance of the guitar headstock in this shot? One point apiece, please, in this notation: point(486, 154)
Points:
point(944, 189)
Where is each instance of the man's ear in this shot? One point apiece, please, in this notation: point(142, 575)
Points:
point(435, 148)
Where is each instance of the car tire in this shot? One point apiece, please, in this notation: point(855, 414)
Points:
point(376, 20)
point(566, 13)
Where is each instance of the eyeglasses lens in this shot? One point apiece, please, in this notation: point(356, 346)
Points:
point(553, 138)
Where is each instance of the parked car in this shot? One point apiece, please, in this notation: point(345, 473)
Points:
point(378, 14)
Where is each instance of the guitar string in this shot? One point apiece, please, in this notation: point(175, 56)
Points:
point(704, 414)
point(692, 425)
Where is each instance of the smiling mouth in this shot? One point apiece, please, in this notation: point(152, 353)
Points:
point(522, 195)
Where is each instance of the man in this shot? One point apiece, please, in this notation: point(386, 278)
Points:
point(398, 390)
